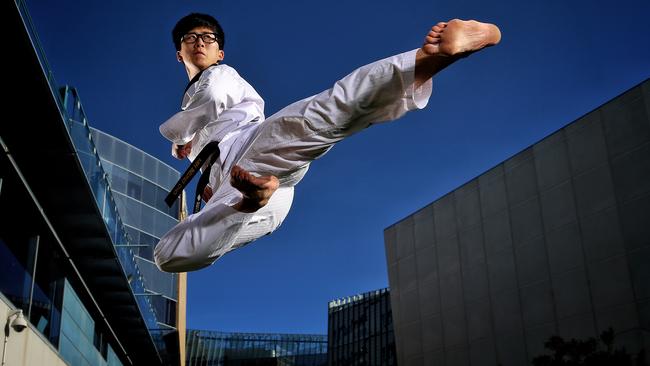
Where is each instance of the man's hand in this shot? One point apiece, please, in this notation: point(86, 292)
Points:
point(256, 190)
point(207, 194)
point(181, 151)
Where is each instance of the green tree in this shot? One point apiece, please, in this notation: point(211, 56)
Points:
point(589, 352)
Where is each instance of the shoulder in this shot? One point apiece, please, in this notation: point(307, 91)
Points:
point(221, 71)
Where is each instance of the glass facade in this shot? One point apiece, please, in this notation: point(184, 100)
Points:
point(66, 255)
point(139, 183)
point(553, 241)
point(81, 342)
point(360, 330)
point(255, 349)
point(80, 133)
point(25, 282)
point(37, 277)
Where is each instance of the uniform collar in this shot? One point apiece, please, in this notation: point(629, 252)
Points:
point(196, 78)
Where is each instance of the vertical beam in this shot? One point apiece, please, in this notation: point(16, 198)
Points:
point(31, 289)
point(181, 304)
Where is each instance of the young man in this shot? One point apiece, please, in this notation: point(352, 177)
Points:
point(251, 183)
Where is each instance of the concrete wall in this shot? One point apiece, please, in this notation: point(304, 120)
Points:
point(27, 348)
point(555, 240)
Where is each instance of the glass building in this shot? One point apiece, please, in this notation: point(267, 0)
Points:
point(255, 349)
point(360, 330)
point(139, 184)
point(553, 241)
point(67, 257)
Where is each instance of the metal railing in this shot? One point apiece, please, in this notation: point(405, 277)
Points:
point(77, 125)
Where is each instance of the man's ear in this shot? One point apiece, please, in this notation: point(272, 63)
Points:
point(221, 55)
point(178, 56)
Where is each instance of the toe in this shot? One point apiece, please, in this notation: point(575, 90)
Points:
point(431, 48)
point(433, 40)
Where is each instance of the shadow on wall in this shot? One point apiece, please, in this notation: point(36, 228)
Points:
point(589, 352)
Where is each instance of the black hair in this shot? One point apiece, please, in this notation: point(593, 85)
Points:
point(191, 21)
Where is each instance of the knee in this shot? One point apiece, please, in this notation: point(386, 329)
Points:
point(170, 256)
point(163, 262)
point(181, 264)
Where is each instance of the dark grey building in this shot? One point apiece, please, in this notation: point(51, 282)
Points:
point(553, 241)
point(360, 330)
point(213, 348)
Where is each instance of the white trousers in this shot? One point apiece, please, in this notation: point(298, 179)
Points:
point(283, 146)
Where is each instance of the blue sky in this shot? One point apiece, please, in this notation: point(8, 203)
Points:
point(558, 60)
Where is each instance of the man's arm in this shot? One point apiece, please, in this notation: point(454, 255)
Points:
point(181, 151)
point(217, 91)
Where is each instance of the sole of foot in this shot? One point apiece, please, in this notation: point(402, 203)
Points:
point(459, 38)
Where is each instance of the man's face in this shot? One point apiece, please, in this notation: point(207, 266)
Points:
point(196, 52)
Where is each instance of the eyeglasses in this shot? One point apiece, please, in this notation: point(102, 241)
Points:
point(193, 37)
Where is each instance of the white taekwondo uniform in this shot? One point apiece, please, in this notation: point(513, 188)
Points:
point(219, 105)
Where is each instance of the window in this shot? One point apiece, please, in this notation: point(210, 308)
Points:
point(134, 186)
point(118, 179)
point(47, 300)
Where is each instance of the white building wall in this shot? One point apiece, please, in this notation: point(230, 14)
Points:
point(27, 348)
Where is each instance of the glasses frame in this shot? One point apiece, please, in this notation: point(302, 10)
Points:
point(201, 36)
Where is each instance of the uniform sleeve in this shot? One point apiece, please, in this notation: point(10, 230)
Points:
point(216, 92)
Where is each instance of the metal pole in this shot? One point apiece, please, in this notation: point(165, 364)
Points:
point(14, 313)
point(31, 290)
point(4, 347)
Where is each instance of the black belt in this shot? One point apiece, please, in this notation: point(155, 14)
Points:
point(209, 153)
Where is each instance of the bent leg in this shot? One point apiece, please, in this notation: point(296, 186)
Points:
point(197, 241)
point(204, 237)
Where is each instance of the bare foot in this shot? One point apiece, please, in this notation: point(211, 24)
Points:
point(460, 37)
point(256, 190)
point(450, 41)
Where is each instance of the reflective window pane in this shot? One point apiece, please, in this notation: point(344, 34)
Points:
point(119, 178)
point(120, 157)
point(134, 186)
point(136, 160)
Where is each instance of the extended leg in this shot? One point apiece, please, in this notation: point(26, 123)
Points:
point(381, 91)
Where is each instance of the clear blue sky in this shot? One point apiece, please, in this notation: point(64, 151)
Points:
point(558, 60)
